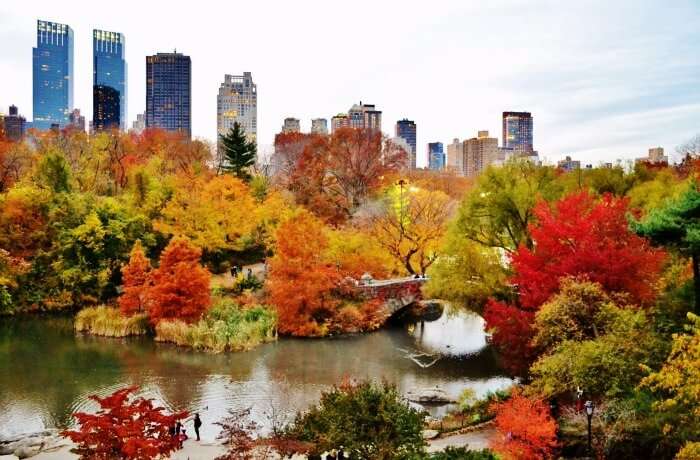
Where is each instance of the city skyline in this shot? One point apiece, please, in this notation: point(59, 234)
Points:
point(634, 84)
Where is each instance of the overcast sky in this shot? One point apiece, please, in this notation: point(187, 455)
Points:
point(603, 79)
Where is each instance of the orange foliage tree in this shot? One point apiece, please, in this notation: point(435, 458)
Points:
point(123, 429)
point(135, 279)
point(180, 285)
point(300, 281)
point(526, 429)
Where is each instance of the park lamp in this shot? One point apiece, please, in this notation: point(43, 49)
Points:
point(589, 408)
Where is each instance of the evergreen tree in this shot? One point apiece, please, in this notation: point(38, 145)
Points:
point(237, 153)
point(677, 225)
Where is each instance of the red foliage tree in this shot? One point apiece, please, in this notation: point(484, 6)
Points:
point(135, 279)
point(582, 236)
point(123, 429)
point(180, 285)
point(578, 235)
point(526, 429)
point(300, 282)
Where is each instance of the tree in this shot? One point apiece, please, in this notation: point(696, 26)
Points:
point(135, 279)
point(499, 210)
point(354, 253)
point(526, 429)
point(300, 281)
point(582, 236)
point(511, 334)
point(677, 226)
point(366, 419)
point(357, 162)
point(124, 429)
point(677, 385)
point(409, 224)
point(180, 285)
point(237, 435)
point(237, 152)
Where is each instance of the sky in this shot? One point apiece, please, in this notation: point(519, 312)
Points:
point(604, 80)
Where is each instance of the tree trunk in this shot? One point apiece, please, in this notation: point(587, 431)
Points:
point(696, 282)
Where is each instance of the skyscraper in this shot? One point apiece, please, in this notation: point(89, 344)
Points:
point(339, 121)
point(319, 126)
point(109, 79)
point(517, 132)
point(291, 125)
point(407, 130)
point(15, 124)
point(479, 152)
point(436, 156)
point(455, 157)
point(139, 124)
point(361, 116)
point(169, 92)
point(52, 75)
point(76, 120)
point(237, 101)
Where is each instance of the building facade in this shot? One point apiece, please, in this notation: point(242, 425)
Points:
point(455, 157)
point(319, 126)
point(360, 116)
point(291, 125)
point(567, 164)
point(517, 132)
point(169, 92)
point(76, 120)
point(406, 129)
point(339, 121)
point(478, 153)
point(109, 78)
point(237, 101)
point(139, 125)
point(436, 156)
point(52, 76)
point(15, 124)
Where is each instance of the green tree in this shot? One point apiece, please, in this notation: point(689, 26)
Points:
point(368, 420)
point(498, 210)
point(54, 173)
point(677, 226)
point(237, 153)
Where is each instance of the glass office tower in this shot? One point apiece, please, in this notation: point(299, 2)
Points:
point(517, 131)
point(168, 92)
point(109, 72)
point(52, 75)
point(436, 156)
point(406, 129)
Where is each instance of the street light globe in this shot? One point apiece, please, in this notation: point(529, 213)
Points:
point(589, 407)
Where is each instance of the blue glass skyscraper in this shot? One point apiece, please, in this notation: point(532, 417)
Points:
point(109, 79)
point(406, 129)
point(52, 80)
point(436, 156)
point(168, 92)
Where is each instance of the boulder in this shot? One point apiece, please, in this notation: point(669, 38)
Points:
point(430, 434)
point(429, 396)
point(27, 451)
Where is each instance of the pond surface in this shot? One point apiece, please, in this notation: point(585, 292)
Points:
point(46, 372)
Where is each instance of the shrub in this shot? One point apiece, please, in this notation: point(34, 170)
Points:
point(109, 322)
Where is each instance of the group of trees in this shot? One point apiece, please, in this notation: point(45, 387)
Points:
point(584, 279)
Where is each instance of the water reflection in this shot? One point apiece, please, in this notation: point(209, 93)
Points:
point(46, 372)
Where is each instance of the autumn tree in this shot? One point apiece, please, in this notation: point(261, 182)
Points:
point(180, 285)
point(237, 435)
point(354, 252)
point(135, 279)
point(409, 224)
point(300, 281)
point(526, 429)
point(123, 429)
point(237, 153)
point(677, 226)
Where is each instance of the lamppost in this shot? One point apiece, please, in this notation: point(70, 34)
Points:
point(401, 183)
point(589, 413)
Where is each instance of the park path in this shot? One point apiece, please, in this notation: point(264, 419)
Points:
point(476, 440)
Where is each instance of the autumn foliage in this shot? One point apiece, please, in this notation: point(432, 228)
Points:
point(180, 285)
point(300, 281)
point(526, 429)
point(135, 279)
point(123, 429)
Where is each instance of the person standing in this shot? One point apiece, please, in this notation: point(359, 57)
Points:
point(197, 425)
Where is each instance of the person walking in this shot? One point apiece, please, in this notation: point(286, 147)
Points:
point(197, 425)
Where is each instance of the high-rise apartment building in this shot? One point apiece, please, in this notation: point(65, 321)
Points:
point(291, 125)
point(169, 92)
point(237, 101)
point(319, 126)
point(517, 132)
point(15, 124)
point(52, 80)
point(76, 120)
point(109, 80)
point(479, 152)
point(360, 116)
point(455, 157)
point(567, 164)
point(436, 156)
point(407, 130)
point(139, 125)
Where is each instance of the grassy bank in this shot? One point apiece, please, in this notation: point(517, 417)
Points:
point(226, 327)
point(109, 322)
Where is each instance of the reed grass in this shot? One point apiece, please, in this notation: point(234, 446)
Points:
point(109, 322)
